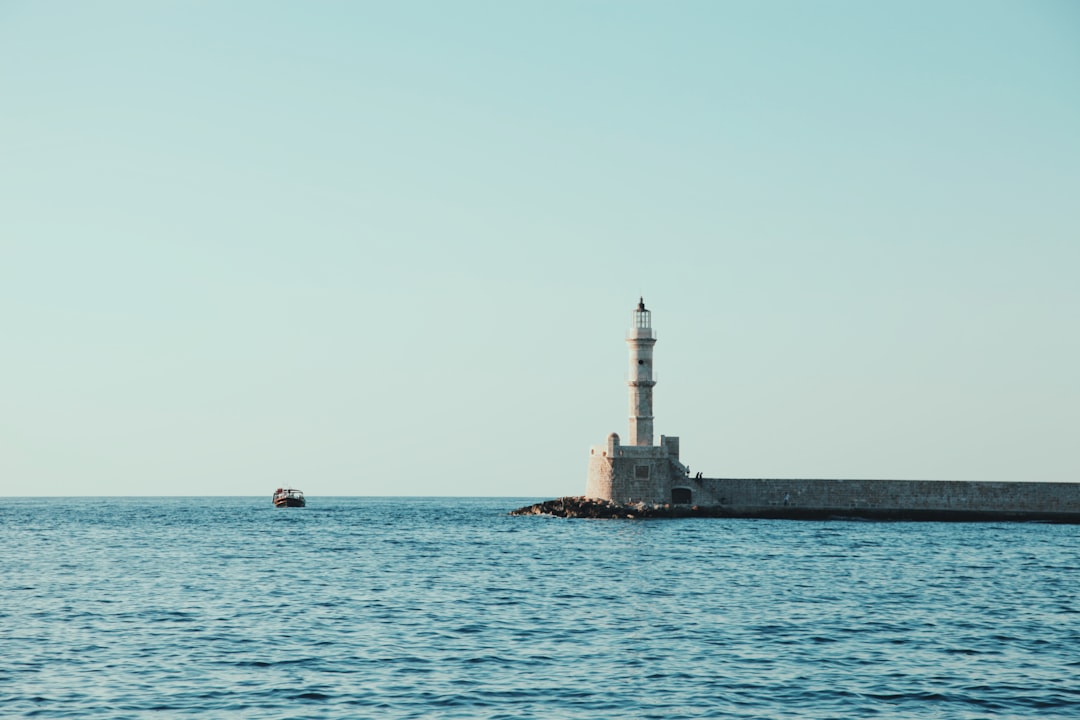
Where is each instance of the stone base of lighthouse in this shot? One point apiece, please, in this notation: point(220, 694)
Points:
point(637, 473)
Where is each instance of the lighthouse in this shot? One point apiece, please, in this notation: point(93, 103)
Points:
point(639, 471)
point(641, 341)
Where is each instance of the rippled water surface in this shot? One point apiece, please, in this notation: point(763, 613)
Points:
point(440, 608)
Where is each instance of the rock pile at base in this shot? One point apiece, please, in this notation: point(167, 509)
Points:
point(584, 507)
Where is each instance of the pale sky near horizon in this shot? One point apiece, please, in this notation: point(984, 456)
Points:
point(393, 248)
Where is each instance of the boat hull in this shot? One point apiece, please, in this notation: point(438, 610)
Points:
point(289, 497)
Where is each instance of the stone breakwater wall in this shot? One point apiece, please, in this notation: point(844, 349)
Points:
point(821, 499)
point(914, 499)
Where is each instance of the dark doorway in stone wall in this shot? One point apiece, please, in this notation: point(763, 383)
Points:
point(681, 496)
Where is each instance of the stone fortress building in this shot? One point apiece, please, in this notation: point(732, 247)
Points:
point(643, 473)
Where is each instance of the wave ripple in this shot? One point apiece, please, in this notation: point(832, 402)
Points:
point(449, 608)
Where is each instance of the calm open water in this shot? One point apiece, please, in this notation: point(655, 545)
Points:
point(449, 608)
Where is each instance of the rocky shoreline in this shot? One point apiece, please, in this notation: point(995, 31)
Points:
point(584, 507)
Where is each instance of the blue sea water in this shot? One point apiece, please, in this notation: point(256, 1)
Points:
point(450, 608)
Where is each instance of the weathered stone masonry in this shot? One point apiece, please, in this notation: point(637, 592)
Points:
point(629, 473)
point(926, 499)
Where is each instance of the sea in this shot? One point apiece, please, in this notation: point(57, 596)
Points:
point(357, 607)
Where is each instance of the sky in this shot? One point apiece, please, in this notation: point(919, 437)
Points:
point(392, 248)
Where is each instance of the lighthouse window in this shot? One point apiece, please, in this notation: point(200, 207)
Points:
point(640, 362)
point(641, 471)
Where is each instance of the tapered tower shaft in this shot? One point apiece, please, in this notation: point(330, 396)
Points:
point(641, 341)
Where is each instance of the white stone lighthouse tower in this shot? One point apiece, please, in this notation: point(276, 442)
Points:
point(641, 341)
point(639, 471)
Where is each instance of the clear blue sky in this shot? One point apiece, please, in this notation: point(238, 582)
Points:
point(392, 248)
